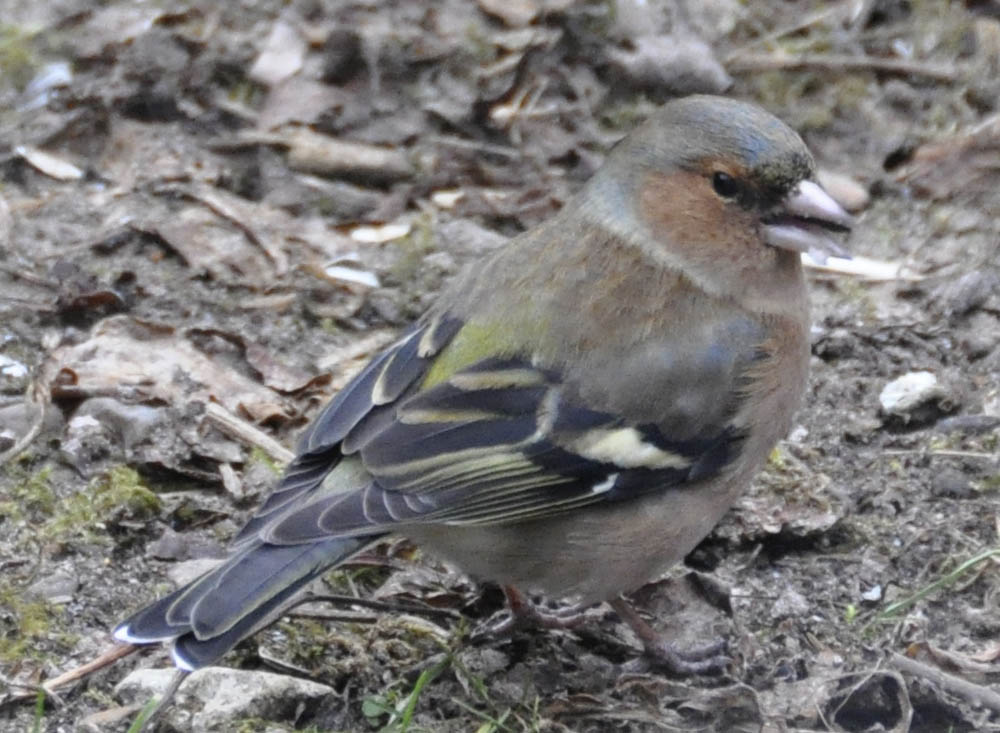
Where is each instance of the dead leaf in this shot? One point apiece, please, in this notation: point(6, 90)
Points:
point(298, 100)
point(776, 502)
point(210, 245)
point(150, 362)
point(278, 376)
point(958, 163)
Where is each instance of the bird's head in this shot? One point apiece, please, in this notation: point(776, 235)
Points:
point(729, 186)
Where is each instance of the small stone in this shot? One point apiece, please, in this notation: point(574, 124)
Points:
point(978, 345)
point(913, 397)
point(215, 698)
point(12, 368)
point(18, 418)
point(184, 572)
point(180, 546)
point(873, 594)
point(799, 434)
point(845, 190)
point(87, 442)
point(908, 391)
point(969, 292)
point(13, 375)
point(860, 428)
point(829, 658)
point(56, 587)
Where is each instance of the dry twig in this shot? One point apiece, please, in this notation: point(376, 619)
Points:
point(243, 431)
point(963, 688)
point(106, 659)
point(746, 63)
point(36, 396)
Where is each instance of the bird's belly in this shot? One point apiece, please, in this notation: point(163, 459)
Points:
point(589, 555)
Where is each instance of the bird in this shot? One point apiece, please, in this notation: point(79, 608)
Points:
point(577, 410)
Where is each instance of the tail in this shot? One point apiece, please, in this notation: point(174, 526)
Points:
point(207, 617)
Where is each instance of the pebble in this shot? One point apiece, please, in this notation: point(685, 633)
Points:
point(214, 698)
point(902, 396)
point(872, 594)
point(184, 572)
point(13, 375)
point(845, 190)
point(55, 587)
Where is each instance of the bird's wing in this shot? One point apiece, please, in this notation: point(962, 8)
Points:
point(499, 440)
point(390, 374)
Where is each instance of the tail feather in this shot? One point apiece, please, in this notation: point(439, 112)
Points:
point(212, 614)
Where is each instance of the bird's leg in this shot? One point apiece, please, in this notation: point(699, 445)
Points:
point(709, 659)
point(524, 614)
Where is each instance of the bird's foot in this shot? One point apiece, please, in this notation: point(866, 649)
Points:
point(523, 614)
point(710, 659)
point(706, 660)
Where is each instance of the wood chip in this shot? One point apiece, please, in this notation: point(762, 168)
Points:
point(863, 267)
point(380, 234)
point(315, 153)
point(347, 275)
point(49, 164)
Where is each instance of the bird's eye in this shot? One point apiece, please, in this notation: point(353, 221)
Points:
point(725, 185)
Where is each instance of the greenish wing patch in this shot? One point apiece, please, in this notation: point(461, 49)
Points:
point(495, 443)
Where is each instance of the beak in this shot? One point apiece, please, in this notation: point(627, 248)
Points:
point(805, 221)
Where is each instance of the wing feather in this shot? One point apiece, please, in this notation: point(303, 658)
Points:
point(370, 394)
point(499, 440)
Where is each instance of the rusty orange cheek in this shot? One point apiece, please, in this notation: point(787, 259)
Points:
point(683, 207)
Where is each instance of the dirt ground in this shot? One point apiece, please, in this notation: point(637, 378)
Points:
point(212, 213)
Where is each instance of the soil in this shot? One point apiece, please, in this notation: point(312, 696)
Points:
point(229, 206)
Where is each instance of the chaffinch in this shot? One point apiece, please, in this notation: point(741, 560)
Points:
point(578, 410)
